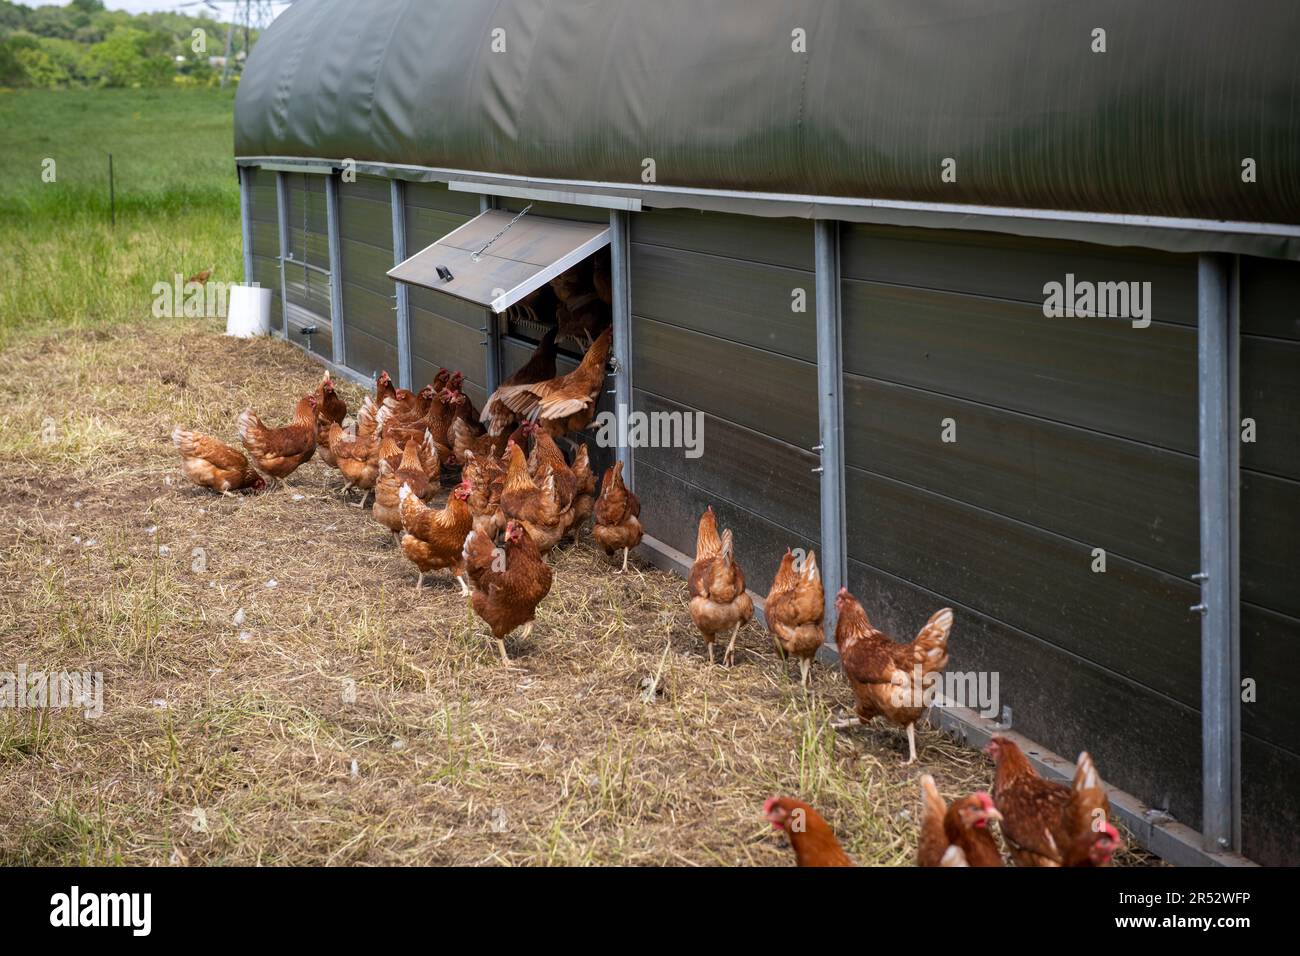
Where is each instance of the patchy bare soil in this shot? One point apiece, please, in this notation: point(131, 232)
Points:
point(277, 691)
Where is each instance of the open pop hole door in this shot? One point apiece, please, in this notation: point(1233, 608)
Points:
point(498, 257)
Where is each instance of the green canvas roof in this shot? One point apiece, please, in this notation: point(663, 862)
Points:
point(864, 99)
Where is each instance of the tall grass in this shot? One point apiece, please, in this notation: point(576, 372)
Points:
point(64, 264)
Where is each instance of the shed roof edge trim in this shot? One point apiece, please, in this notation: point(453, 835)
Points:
point(1270, 240)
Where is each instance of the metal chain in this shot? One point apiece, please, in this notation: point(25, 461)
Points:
point(523, 212)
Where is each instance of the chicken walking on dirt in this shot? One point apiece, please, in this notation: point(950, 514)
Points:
point(811, 837)
point(794, 610)
point(963, 826)
point(509, 583)
point(1046, 823)
point(717, 586)
point(278, 452)
point(888, 678)
point(617, 515)
point(435, 537)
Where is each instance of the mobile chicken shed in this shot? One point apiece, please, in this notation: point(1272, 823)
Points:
point(867, 244)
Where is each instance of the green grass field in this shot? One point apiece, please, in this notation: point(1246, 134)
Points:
point(62, 263)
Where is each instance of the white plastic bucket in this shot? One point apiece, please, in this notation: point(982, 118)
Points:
point(249, 311)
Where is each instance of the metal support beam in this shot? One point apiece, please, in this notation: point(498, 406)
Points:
point(282, 218)
point(245, 175)
point(620, 272)
point(401, 294)
point(340, 354)
point(830, 414)
point(1220, 617)
point(491, 328)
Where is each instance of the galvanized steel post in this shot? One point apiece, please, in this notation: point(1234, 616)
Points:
point(246, 219)
point(336, 268)
point(830, 414)
point(1220, 622)
point(282, 220)
point(401, 294)
point(619, 277)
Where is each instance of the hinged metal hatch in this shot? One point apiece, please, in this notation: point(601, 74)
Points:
point(499, 257)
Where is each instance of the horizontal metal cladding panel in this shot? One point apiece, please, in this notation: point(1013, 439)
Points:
point(424, 227)
point(366, 266)
point(369, 320)
point(445, 344)
point(321, 341)
point(265, 197)
point(367, 354)
point(266, 240)
point(308, 219)
point(307, 288)
point(1270, 543)
point(425, 372)
point(671, 509)
point(778, 242)
point(372, 188)
point(1270, 654)
point(758, 389)
point(748, 302)
point(310, 247)
point(553, 210)
point(742, 466)
point(1120, 495)
point(436, 196)
point(1270, 813)
point(1270, 821)
point(1141, 740)
point(1094, 373)
point(1011, 267)
point(364, 220)
point(1270, 291)
point(1032, 580)
point(1270, 394)
point(448, 308)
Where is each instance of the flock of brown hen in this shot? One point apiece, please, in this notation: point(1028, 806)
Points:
point(1043, 823)
point(509, 507)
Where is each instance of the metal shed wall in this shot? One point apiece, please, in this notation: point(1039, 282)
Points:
point(714, 331)
point(445, 332)
point(1270, 557)
point(307, 264)
point(1071, 434)
point(366, 239)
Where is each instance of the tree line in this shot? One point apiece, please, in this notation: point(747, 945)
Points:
point(84, 44)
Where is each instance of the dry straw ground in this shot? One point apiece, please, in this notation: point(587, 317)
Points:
point(237, 743)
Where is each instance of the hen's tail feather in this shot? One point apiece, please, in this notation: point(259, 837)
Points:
point(1086, 776)
point(249, 424)
point(933, 802)
point(933, 639)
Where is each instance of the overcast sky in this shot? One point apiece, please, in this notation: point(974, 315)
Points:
point(136, 6)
